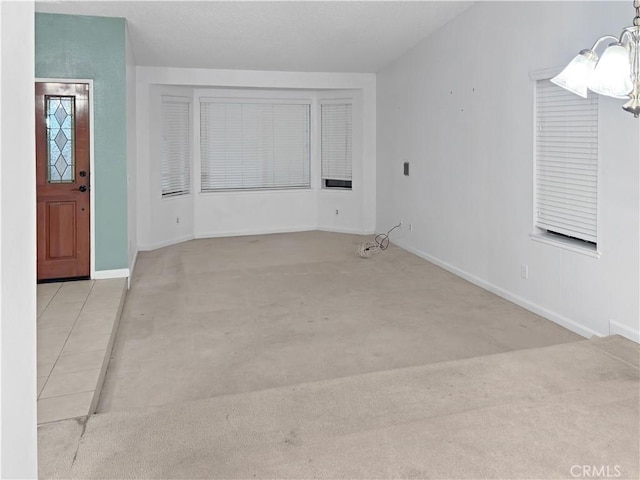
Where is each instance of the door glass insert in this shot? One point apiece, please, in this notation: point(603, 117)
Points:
point(60, 139)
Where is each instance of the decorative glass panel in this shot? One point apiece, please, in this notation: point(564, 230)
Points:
point(60, 139)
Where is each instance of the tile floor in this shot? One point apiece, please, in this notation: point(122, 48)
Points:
point(77, 322)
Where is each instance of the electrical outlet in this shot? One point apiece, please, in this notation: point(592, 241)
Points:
point(337, 212)
point(524, 271)
point(177, 219)
point(411, 227)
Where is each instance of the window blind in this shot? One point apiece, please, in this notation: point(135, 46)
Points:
point(566, 162)
point(176, 147)
point(250, 145)
point(336, 140)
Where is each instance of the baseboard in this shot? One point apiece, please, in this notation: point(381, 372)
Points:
point(166, 243)
point(228, 233)
point(242, 233)
point(106, 274)
point(526, 304)
point(263, 231)
point(352, 231)
point(616, 328)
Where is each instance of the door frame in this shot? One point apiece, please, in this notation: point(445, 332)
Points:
point(92, 204)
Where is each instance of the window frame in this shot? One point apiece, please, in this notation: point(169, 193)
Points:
point(189, 135)
point(348, 184)
point(538, 233)
point(206, 97)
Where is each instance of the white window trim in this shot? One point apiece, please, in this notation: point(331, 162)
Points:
point(537, 234)
point(252, 96)
point(336, 101)
point(189, 101)
point(353, 96)
point(564, 243)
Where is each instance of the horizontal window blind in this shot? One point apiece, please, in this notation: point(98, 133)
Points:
point(251, 145)
point(336, 140)
point(176, 147)
point(566, 162)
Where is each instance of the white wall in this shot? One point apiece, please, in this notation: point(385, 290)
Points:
point(255, 212)
point(132, 228)
point(18, 445)
point(459, 107)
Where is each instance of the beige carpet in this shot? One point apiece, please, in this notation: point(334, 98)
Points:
point(287, 356)
point(527, 414)
point(231, 315)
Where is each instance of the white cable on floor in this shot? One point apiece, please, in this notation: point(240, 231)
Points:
point(367, 249)
point(380, 242)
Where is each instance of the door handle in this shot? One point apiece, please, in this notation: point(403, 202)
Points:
point(81, 188)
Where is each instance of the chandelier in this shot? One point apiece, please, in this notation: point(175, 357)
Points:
point(615, 74)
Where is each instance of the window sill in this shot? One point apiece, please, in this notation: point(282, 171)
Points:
point(336, 189)
point(177, 197)
point(254, 191)
point(566, 244)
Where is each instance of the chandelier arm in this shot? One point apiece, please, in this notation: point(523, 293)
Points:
point(602, 39)
point(627, 32)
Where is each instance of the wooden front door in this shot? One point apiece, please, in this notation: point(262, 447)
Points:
point(62, 179)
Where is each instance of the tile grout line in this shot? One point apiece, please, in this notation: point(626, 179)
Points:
point(55, 421)
point(49, 302)
point(69, 394)
point(92, 392)
point(70, 373)
point(68, 335)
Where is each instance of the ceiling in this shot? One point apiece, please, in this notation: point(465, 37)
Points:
point(308, 36)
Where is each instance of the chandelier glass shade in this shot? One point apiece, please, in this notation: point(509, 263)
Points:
point(575, 76)
point(616, 73)
point(612, 75)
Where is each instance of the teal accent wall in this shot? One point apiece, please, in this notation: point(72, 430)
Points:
point(81, 47)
